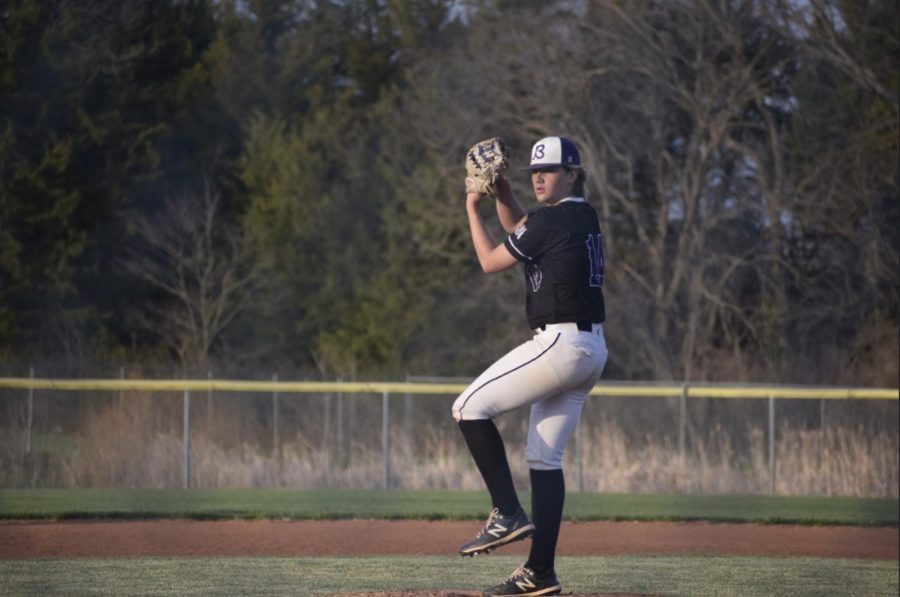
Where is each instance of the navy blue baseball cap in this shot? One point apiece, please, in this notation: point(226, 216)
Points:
point(554, 151)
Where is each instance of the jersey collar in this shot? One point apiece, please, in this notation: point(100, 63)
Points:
point(573, 199)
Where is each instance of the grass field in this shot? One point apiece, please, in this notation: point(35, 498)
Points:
point(739, 576)
point(314, 577)
point(326, 504)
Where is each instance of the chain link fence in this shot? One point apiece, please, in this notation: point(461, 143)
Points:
point(402, 439)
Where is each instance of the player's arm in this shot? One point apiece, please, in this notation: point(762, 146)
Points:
point(509, 211)
point(492, 257)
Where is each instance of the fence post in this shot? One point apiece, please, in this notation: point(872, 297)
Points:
point(276, 442)
point(385, 439)
point(186, 441)
point(339, 440)
point(120, 395)
point(209, 395)
point(408, 417)
point(30, 422)
point(771, 445)
point(682, 422)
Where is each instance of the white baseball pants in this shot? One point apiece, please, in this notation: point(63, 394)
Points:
point(553, 372)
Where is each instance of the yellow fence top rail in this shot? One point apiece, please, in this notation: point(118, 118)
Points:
point(373, 387)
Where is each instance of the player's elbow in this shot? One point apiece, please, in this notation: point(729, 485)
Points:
point(495, 260)
point(492, 266)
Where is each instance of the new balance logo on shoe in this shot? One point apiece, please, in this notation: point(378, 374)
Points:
point(525, 582)
point(499, 530)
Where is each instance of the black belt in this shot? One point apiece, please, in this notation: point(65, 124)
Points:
point(583, 326)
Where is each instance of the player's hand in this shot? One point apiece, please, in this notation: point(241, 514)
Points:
point(473, 197)
point(502, 188)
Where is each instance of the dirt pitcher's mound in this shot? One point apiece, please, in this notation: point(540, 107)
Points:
point(475, 594)
point(412, 594)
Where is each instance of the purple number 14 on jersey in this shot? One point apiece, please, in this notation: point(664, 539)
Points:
point(595, 254)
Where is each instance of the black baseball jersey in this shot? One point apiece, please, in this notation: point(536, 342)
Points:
point(561, 248)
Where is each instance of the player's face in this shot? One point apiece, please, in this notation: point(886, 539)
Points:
point(552, 184)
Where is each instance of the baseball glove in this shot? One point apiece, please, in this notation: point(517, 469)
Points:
point(486, 161)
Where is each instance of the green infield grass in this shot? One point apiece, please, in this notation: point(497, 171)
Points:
point(312, 577)
point(212, 504)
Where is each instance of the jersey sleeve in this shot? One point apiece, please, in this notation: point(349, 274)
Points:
point(526, 243)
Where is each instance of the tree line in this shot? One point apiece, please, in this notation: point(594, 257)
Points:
point(267, 184)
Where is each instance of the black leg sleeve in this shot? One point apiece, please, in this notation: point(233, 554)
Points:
point(487, 449)
point(548, 494)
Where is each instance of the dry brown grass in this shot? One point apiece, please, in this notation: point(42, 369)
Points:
point(137, 442)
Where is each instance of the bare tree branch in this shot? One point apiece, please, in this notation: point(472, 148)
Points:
point(206, 274)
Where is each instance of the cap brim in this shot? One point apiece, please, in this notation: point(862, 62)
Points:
point(539, 166)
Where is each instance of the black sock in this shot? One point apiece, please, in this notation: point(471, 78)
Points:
point(487, 449)
point(548, 493)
